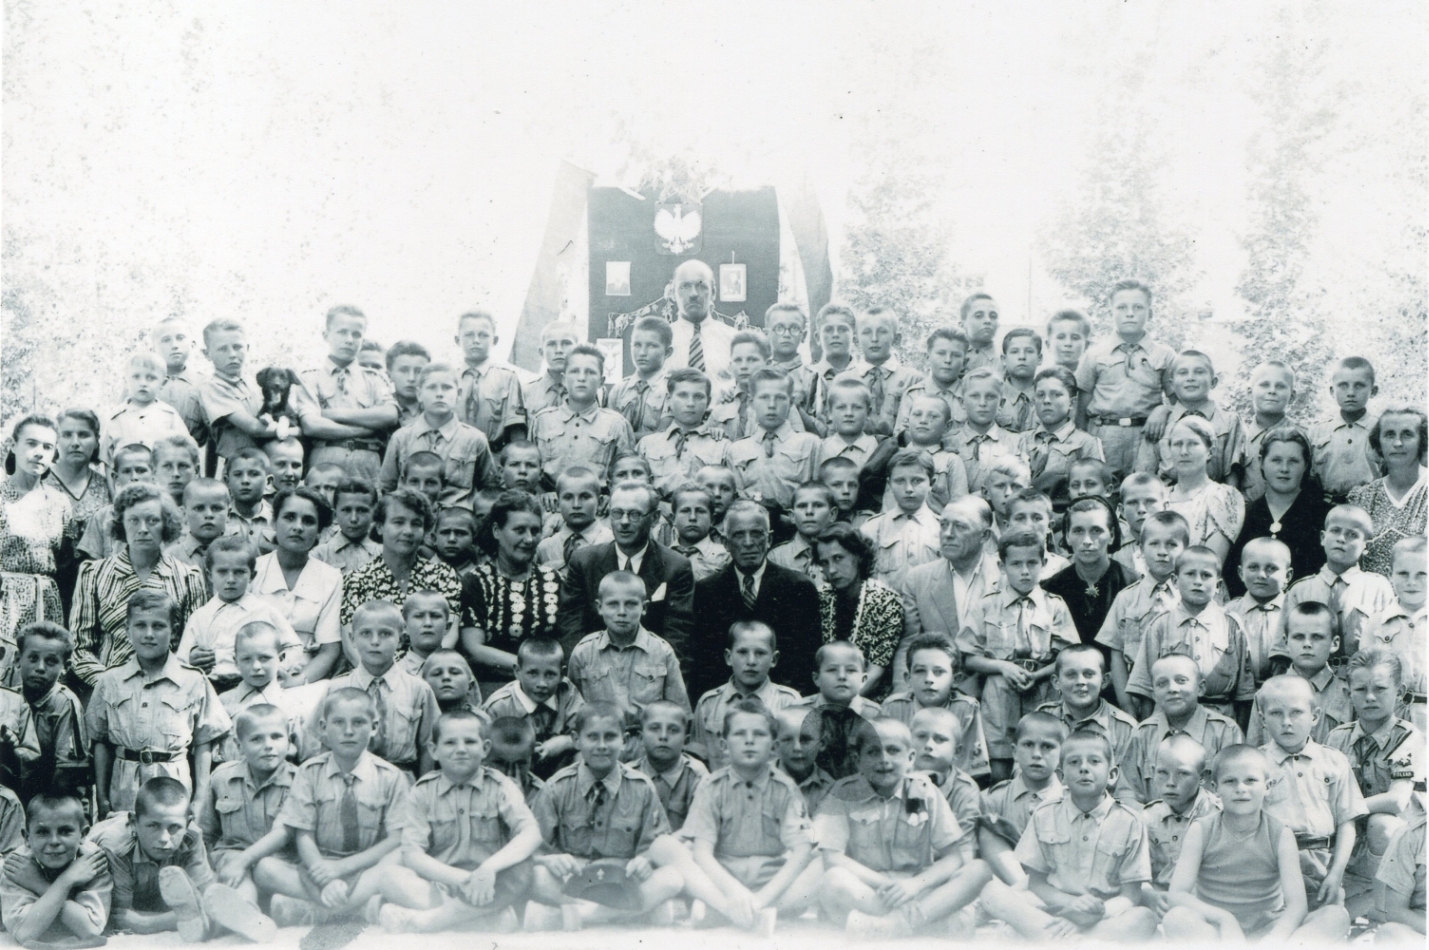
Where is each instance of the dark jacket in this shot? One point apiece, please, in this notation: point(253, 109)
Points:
point(788, 602)
point(669, 590)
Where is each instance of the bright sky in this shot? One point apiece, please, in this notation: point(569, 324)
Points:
point(267, 160)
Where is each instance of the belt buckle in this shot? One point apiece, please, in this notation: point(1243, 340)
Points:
point(146, 757)
point(1124, 422)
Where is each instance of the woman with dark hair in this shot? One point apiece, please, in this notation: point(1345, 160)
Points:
point(1398, 503)
point(403, 517)
point(508, 598)
point(1292, 510)
point(78, 474)
point(857, 607)
point(36, 523)
point(1091, 582)
point(145, 519)
point(307, 591)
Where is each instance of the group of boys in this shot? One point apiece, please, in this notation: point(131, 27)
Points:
point(1272, 787)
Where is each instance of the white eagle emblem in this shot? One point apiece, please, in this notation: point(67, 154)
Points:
point(678, 226)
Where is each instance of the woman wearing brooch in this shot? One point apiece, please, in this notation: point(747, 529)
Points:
point(1292, 510)
point(508, 597)
point(856, 607)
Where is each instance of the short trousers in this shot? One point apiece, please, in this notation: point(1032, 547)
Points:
point(755, 871)
point(512, 884)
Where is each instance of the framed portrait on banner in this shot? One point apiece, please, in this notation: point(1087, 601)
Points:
point(732, 283)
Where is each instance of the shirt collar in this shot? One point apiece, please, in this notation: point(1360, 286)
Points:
point(1279, 756)
point(171, 671)
point(529, 704)
point(1195, 726)
point(759, 782)
point(477, 780)
point(1329, 577)
point(365, 769)
point(1274, 603)
point(670, 777)
point(1320, 680)
point(1380, 736)
point(282, 777)
point(816, 779)
point(644, 641)
point(588, 416)
point(1097, 814)
point(585, 780)
point(1050, 792)
point(922, 515)
point(1062, 433)
point(364, 679)
point(447, 429)
point(1037, 595)
point(758, 574)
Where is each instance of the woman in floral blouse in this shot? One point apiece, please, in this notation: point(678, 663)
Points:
point(35, 519)
point(508, 598)
point(1398, 502)
point(856, 607)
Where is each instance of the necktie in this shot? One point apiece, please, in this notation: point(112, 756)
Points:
point(680, 436)
point(347, 815)
point(342, 380)
point(473, 398)
point(636, 410)
point(543, 719)
point(597, 796)
point(434, 440)
point(977, 446)
point(378, 745)
point(1038, 462)
point(875, 387)
point(697, 348)
point(568, 547)
point(740, 428)
point(688, 550)
point(770, 439)
point(1023, 637)
point(746, 590)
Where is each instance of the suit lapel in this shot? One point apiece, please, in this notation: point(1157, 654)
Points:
point(945, 599)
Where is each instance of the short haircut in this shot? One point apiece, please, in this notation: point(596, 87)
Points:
point(751, 628)
point(913, 458)
point(686, 374)
point(436, 369)
point(1285, 683)
point(221, 325)
point(53, 801)
point(1240, 752)
point(572, 472)
point(254, 629)
point(1197, 552)
point(409, 498)
point(476, 316)
point(1182, 742)
point(585, 349)
point(482, 720)
point(817, 488)
point(951, 334)
point(426, 593)
point(750, 707)
point(1314, 610)
point(1281, 549)
point(1356, 363)
point(291, 442)
point(620, 579)
point(933, 641)
point(822, 652)
point(871, 731)
point(544, 648)
point(133, 450)
point(1011, 466)
point(629, 456)
point(1071, 316)
point(665, 705)
point(967, 306)
point(1355, 513)
point(1172, 521)
point(201, 483)
point(785, 306)
point(378, 606)
point(514, 731)
point(1121, 285)
point(250, 454)
point(658, 326)
point(343, 310)
point(982, 375)
point(456, 511)
point(1044, 720)
point(771, 375)
point(422, 459)
point(1087, 735)
point(1374, 659)
point(851, 387)
point(1018, 333)
point(752, 338)
point(44, 630)
point(835, 464)
point(257, 714)
point(440, 655)
point(517, 445)
point(744, 506)
point(353, 485)
point(347, 694)
point(405, 348)
point(652, 497)
point(832, 309)
point(550, 330)
point(233, 544)
point(1062, 375)
point(1406, 547)
point(1031, 496)
point(1021, 539)
point(1135, 480)
point(159, 792)
point(590, 712)
point(1193, 355)
point(1102, 470)
point(1080, 649)
point(688, 488)
point(145, 359)
point(1376, 433)
point(157, 600)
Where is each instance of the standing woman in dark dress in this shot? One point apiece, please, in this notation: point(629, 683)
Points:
point(1092, 581)
point(1292, 510)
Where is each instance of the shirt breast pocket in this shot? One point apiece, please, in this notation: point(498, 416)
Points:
point(402, 728)
point(773, 830)
point(371, 810)
point(1277, 791)
point(486, 827)
point(172, 727)
point(231, 821)
point(575, 836)
point(789, 465)
point(647, 682)
point(1106, 863)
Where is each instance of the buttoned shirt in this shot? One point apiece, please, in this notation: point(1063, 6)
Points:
point(716, 336)
point(94, 898)
point(353, 386)
point(963, 797)
point(797, 554)
point(646, 409)
point(1166, 831)
point(215, 626)
point(240, 809)
point(952, 397)
point(857, 451)
point(861, 705)
point(1332, 694)
point(489, 397)
point(675, 456)
point(675, 786)
point(1137, 773)
point(465, 453)
point(592, 437)
point(551, 552)
point(1356, 595)
point(716, 704)
point(903, 539)
point(558, 711)
point(1134, 608)
point(242, 696)
point(1313, 791)
point(969, 745)
point(256, 528)
point(411, 712)
point(1392, 753)
point(1341, 454)
point(804, 383)
point(58, 719)
point(573, 821)
point(1016, 412)
point(1398, 630)
point(980, 451)
point(315, 802)
point(814, 788)
point(1008, 625)
point(345, 554)
point(1049, 455)
point(135, 875)
point(1106, 720)
point(462, 825)
point(1261, 625)
point(707, 556)
point(982, 356)
point(1212, 638)
point(1007, 807)
point(221, 397)
point(970, 589)
point(144, 425)
point(1401, 870)
point(541, 392)
point(181, 390)
point(1125, 379)
point(314, 604)
point(1095, 852)
point(771, 479)
point(902, 833)
point(1226, 456)
point(887, 395)
point(823, 372)
point(763, 817)
point(630, 676)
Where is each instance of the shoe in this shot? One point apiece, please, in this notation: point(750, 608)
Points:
point(663, 914)
point(540, 917)
point(765, 922)
point(699, 913)
point(863, 926)
point(230, 910)
point(571, 918)
point(395, 919)
point(179, 893)
point(296, 912)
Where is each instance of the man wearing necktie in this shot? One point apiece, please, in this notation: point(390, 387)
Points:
point(700, 339)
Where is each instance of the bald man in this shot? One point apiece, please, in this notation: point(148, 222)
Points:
point(701, 339)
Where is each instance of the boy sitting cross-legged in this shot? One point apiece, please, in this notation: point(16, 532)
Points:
point(1007, 807)
point(542, 694)
point(1178, 799)
point(933, 730)
point(664, 727)
point(890, 843)
point(1176, 683)
point(752, 651)
point(602, 665)
point(56, 891)
point(469, 832)
point(932, 684)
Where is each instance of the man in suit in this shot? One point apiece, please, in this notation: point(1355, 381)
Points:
point(937, 596)
point(669, 581)
point(753, 588)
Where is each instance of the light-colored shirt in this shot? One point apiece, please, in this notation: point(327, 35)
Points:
point(1358, 596)
point(314, 603)
point(315, 802)
point(716, 336)
point(772, 478)
point(574, 821)
point(215, 626)
point(353, 386)
point(1095, 852)
point(1313, 791)
point(903, 539)
point(643, 407)
point(1212, 638)
point(466, 458)
point(1398, 630)
point(221, 397)
point(744, 819)
point(461, 825)
point(406, 711)
point(903, 833)
point(145, 425)
point(716, 704)
point(1125, 379)
point(489, 398)
point(592, 437)
point(1226, 456)
point(1138, 767)
point(1341, 454)
point(674, 459)
point(1166, 832)
point(629, 676)
point(1007, 625)
point(980, 452)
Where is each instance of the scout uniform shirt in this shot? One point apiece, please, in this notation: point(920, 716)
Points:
point(1400, 870)
point(1007, 807)
point(676, 787)
point(804, 383)
point(1105, 720)
point(136, 875)
point(764, 818)
point(489, 398)
point(221, 397)
point(406, 711)
point(552, 551)
point(181, 390)
point(965, 799)
point(1049, 455)
point(1213, 639)
point(593, 437)
point(642, 402)
point(1341, 454)
point(627, 676)
point(969, 746)
point(465, 453)
point(1016, 412)
point(903, 539)
point(952, 397)
point(16, 899)
point(887, 383)
point(617, 816)
point(901, 835)
point(1312, 792)
point(858, 451)
point(1133, 609)
point(554, 717)
point(768, 466)
point(58, 719)
point(240, 810)
point(318, 803)
point(733, 415)
point(160, 719)
point(1166, 832)
point(1138, 769)
point(798, 555)
point(1395, 753)
point(15, 716)
point(1261, 624)
point(242, 696)
point(979, 451)
point(462, 825)
point(144, 425)
point(1125, 379)
point(675, 455)
point(1403, 633)
point(716, 704)
point(542, 392)
point(1093, 852)
point(353, 386)
point(707, 556)
point(814, 787)
point(1333, 696)
point(215, 625)
point(1357, 596)
point(823, 372)
point(346, 555)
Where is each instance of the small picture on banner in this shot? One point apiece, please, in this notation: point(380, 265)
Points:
point(617, 278)
point(732, 283)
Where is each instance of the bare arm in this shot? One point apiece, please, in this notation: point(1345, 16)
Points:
point(203, 767)
point(1292, 883)
point(473, 641)
point(250, 425)
point(837, 859)
point(54, 903)
point(103, 769)
point(1392, 802)
point(322, 662)
point(378, 417)
point(145, 923)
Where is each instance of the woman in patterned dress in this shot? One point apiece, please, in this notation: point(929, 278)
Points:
point(1215, 511)
point(78, 474)
point(857, 607)
point(1399, 502)
point(35, 522)
point(508, 597)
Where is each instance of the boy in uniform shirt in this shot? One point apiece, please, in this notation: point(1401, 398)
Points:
point(542, 694)
point(677, 453)
point(1401, 873)
point(1081, 677)
point(579, 496)
point(625, 664)
point(1178, 799)
point(1142, 495)
point(285, 459)
point(813, 511)
point(578, 431)
point(1311, 788)
point(840, 475)
point(43, 650)
point(1021, 355)
point(1067, 334)
point(1086, 857)
point(470, 833)
point(1051, 445)
point(426, 617)
point(934, 732)
point(1164, 535)
point(1176, 685)
point(489, 392)
point(752, 651)
point(933, 671)
point(664, 728)
point(981, 441)
point(946, 351)
point(837, 329)
point(928, 425)
point(1311, 642)
point(1030, 510)
point(1013, 637)
point(466, 463)
point(1272, 387)
point(797, 743)
point(1401, 628)
point(351, 547)
point(691, 521)
point(405, 360)
point(839, 675)
point(1343, 458)
point(787, 326)
point(1264, 569)
point(205, 505)
point(1007, 807)
point(1122, 380)
point(890, 844)
point(513, 742)
point(144, 418)
point(1192, 379)
point(56, 890)
point(173, 342)
point(257, 655)
point(230, 402)
point(849, 406)
point(249, 477)
point(774, 459)
point(909, 534)
point(640, 397)
point(979, 317)
point(548, 389)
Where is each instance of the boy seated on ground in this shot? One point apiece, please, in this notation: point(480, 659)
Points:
point(1401, 873)
point(470, 833)
point(1178, 800)
point(55, 891)
point(1007, 807)
point(542, 694)
point(513, 743)
point(933, 732)
point(798, 744)
point(752, 652)
point(1176, 683)
point(664, 727)
point(839, 674)
point(892, 865)
point(932, 684)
